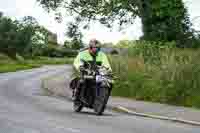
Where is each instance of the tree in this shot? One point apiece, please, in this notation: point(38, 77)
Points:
point(67, 44)
point(76, 44)
point(30, 36)
point(162, 19)
point(29, 20)
point(37, 37)
point(165, 20)
point(9, 36)
point(23, 37)
point(74, 32)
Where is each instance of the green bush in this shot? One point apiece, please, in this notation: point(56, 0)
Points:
point(55, 51)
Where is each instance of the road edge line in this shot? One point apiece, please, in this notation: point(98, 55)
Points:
point(125, 110)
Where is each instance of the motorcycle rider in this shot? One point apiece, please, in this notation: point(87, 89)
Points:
point(93, 55)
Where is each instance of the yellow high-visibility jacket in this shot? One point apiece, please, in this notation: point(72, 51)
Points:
point(85, 55)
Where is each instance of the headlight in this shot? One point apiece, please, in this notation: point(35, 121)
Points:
point(102, 72)
point(99, 78)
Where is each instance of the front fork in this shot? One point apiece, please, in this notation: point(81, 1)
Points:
point(103, 91)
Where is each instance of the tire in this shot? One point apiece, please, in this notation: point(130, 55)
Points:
point(77, 106)
point(100, 110)
point(100, 103)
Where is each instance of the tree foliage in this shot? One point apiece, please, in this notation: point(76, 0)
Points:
point(75, 34)
point(74, 44)
point(162, 19)
point(166, 20)
point(25, 37)
point(106, 12)
point(9, 34)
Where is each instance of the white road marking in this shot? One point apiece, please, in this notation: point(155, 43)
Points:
point(158, 117)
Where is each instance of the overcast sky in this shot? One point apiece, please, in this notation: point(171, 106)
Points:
point(19, 8)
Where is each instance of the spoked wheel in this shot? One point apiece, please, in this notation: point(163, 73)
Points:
point(78, 106)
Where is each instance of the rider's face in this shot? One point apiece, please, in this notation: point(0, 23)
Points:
point(93, 50)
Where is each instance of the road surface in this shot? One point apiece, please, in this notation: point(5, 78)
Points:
point(24, 109)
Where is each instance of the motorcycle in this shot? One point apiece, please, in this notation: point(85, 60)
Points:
point(95, 83)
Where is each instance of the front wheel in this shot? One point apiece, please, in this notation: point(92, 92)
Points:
point(78, 106)
point(100, 109)
point(101, 101)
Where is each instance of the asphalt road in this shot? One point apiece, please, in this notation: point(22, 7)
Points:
point(23, 109)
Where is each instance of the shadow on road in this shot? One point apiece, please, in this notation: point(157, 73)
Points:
point(93, 113)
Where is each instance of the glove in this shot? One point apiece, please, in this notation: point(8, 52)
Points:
point(81, 68)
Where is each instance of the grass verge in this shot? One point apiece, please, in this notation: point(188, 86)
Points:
point(157, 74)
point(10, 65)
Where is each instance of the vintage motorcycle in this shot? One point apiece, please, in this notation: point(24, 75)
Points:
point(95, 84)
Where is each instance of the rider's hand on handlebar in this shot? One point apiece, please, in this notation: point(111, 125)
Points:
point(81, 68)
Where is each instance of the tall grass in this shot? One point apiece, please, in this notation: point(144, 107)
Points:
point(159, 74)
